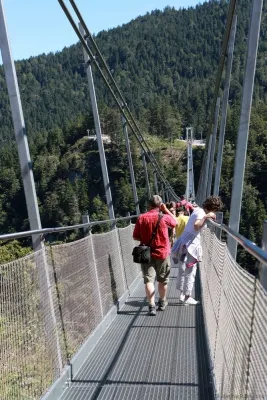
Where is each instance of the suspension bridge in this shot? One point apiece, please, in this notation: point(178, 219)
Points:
point(74, 321)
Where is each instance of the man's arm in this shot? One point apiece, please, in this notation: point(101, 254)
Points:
point(136, 232)
point(200, 222)
point(165, 210)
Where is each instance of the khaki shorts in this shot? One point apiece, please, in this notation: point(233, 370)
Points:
point(159, 268)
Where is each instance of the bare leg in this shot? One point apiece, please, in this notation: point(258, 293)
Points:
point(150, 292)
point(162, 287)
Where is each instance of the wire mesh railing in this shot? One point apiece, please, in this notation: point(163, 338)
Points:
point(52, 300)
point(28, 341)
point(234, 304)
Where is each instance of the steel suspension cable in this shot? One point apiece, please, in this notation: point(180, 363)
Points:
point(226, 38)
point(107, 70)
point(121, 107)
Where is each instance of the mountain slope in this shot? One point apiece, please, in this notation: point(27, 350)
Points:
point(165, 63)
point(170, 55)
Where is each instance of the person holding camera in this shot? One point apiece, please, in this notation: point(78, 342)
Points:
point(187, 250)
point(151, 229)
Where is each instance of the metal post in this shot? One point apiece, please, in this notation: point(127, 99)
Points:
point(146, 174)
point(156, 183)
point(263, 268)
point(20, 131)
point(187, 174)
point(163, 192)
point(205, 173)
point(190, 187)
point(29, 189)
point(86, 220)
point(123, 272)
point(130, 162)
point(167, 196)
point(98, 134)
point(243, 131)
point(219, 220)
point(128, 215)
point(91, 243)
point(213, 145)
point(224, 108)
point(200, 185)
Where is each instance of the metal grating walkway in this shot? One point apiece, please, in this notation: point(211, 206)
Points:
point(142, 357)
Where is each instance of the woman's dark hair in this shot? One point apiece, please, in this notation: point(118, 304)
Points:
point(182, 208)
point(172, 204)
point(212, 203)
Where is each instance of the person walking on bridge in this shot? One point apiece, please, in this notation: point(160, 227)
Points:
point(182, 219)
point(187, 249)
point(172, 208)
point(159, 266)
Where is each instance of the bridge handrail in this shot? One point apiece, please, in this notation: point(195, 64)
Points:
point(18, 235)
point(247, 244)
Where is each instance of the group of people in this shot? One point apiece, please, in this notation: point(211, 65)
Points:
point(176, 238)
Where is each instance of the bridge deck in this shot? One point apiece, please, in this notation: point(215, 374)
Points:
point(144, 357)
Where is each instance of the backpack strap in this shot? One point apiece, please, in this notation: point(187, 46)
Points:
point(155, 229)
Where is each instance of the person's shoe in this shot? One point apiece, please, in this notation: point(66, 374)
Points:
point(152, 309)
point(191, 302)
point(162, 304)
point(182, 297)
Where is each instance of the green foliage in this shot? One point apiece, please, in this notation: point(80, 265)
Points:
point(164, 63)
point(12, 251)
point(99, 213)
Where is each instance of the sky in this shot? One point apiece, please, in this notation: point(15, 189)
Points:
point(40, 26)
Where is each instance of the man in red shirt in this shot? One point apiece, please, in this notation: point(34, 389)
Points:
point(160, 250)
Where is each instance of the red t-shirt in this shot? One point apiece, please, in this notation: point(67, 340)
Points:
point(160, 246)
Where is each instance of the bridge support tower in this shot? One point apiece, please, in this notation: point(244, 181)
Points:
point(190, 187)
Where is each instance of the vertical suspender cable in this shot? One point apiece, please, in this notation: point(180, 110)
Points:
point(230, 16)
point(243, 131)
point(224, 109)
point(213, 145)
point(99, 135)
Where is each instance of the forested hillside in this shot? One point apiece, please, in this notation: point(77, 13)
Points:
point(165, 64)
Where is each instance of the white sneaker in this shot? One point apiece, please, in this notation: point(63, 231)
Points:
point(191, 301)
point(182, 297)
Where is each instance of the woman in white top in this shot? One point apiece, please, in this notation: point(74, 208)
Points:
point(187, 249)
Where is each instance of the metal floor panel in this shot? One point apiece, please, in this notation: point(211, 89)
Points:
point(142, 357)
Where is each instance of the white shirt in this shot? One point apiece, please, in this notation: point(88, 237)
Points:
point(190, 238)
point(198, 213)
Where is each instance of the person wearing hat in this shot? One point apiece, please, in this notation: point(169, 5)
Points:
point(159, 266)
